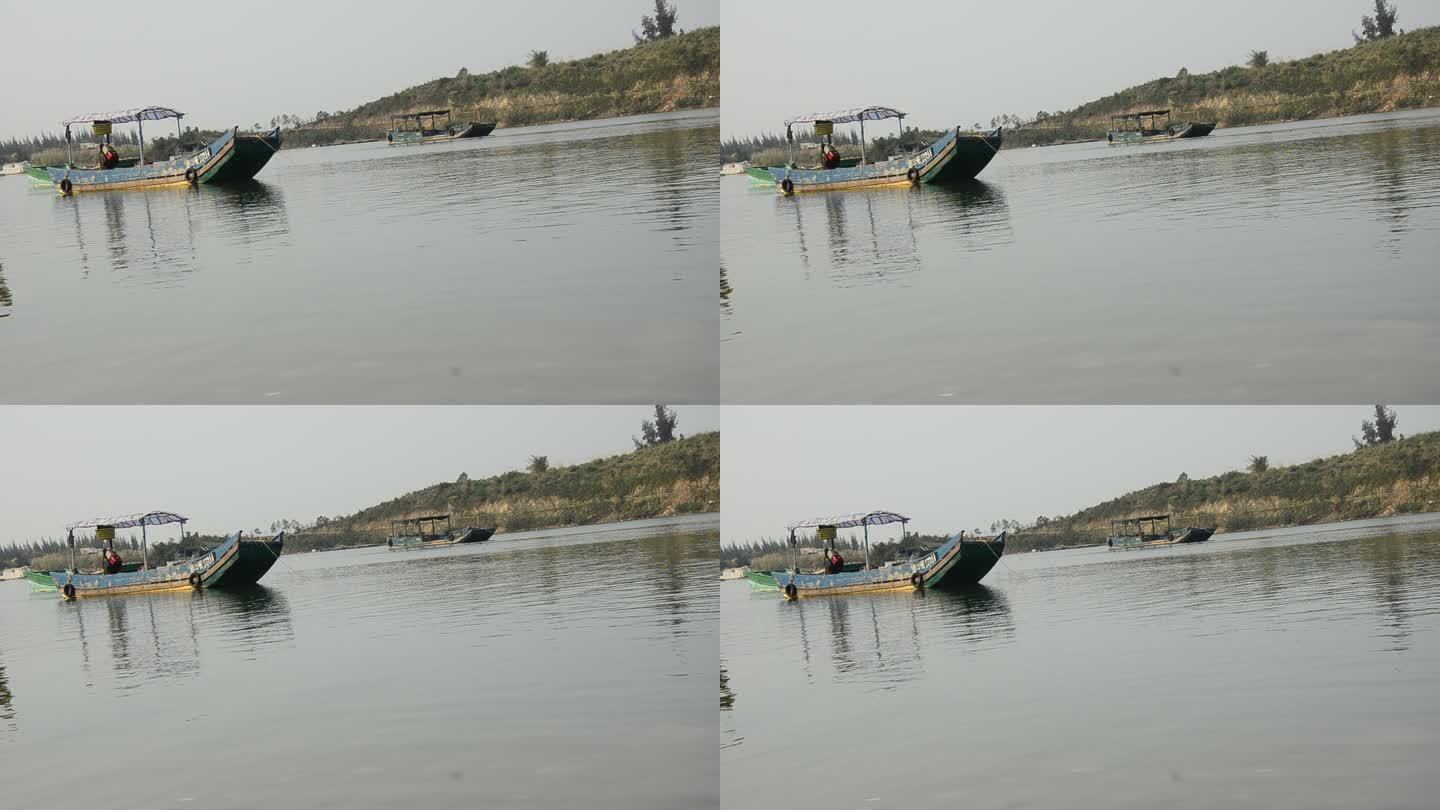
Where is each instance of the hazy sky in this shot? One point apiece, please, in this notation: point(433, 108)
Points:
point(954, 467)
point(948, 63)
point(229, 468)
point(238, 64)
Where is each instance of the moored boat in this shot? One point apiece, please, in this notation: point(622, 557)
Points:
point(425, 127)
point(958, 561)
point(230, 157)
point(425, 533)
point(1146, 126)
point(1145, 531)
point(202, 571)
point(954, 156)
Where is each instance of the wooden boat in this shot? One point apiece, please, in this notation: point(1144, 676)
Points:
point(229, 158)
point(958, 561)
point(402, 537)
point(253, 561)
point(954, 156)
point(1143, 532)
point(425, 127)
point(202, 571)
point(1146, 127)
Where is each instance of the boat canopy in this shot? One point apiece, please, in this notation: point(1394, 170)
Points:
point(1140, 519)
point(130, 521)
point(848, 116)
point(421, 519)
point(126, 116)
point(1142, 112)
point(851, 520)
point(423, 112)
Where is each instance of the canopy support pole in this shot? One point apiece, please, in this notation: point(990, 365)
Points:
point(862, 141)
point(141, 124)
point(900, 149)
point(867, 546)
point(177, 151)
point(794, 553)
point(144, 549)
point(70, 540)
point(68, 158)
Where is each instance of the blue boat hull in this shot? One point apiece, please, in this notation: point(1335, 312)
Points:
point(202, 572)
point(954, 156)
point(200, 167)
point(957, 562)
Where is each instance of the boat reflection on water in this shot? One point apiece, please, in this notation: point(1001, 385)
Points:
point(7, 702)
point(873, 237)
point(879, 640)
point(156, 235)
point(160, 637)
point(6, 301)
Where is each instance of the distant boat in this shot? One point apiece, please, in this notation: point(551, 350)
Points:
point(14, 168)
point(1131, 128)
point(229, 158)
point(954, 156)
point(425, 127)
point(1142, 532)
point(425, 535)
point(958, 561)
point(734, 573)
point(734, 168)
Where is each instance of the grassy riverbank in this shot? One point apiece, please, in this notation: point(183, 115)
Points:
point(1398, 73)
point(679, 477)
point(678, 73)
point(1395, 478)
point(1399, 477)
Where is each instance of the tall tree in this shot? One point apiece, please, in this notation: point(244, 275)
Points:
point(1259, 464)
point(1380, 430)
point(659, 430)
point(539, 59)
point(1380, 26)
point(659, 26)
point(1259, 59)
point(539, 464)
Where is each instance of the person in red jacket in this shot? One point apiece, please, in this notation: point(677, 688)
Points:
point(109, 158)
point(113, 561)
point(830, 157)
point(837, 563)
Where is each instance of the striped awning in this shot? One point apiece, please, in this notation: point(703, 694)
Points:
point(126, 116)
point(130, 521)
point(848, 116)
point(850, 520)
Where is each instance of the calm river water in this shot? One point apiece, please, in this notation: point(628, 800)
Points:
point(1284, 263)
point(567, 668)
point(1294, 668)
point(567, 263)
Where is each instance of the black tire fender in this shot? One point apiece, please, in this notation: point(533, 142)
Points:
point(191, 176)
point(66, 185)
point(791, 591)
point(68, 591)
point(194, 581)
point(787, 186)
point(918, 580)
point(913, 175)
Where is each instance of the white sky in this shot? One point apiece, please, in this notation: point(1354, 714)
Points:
point(953, 467)
point(230, 468)
point(235, 64)
point(947, 63)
